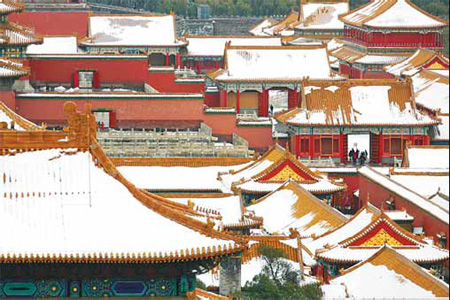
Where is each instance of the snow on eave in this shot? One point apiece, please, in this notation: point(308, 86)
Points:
point(394, 261)
point(20, 122)
point(377, 9)
point(104, 168)
point(132, 31)
point(405, 193)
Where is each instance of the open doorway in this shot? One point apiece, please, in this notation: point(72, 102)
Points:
point(360, 142)
point(278, 100)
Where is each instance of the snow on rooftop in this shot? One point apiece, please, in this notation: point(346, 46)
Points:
point(258, 30)
point(379, 282)
point(391, 14)
point(228, 207)
point(132, 31)
point(426, 185)
point(321, 186)
point(403, 15)
point(254, 168)
point(8, 116)
point(406, 193)
point(277, 63)
point(5, 118)
point(420, 254)
point(429, 158)
point(58, 203)
point(379, 59)
point(443, 130)
point(55, 45)
point(369, 105)
point(211, 46)
point(175, 178)
point(432, 92)
point(360, 221)
point(323, 15)
point(283, 210)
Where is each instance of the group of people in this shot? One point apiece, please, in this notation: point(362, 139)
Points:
point(358, 157)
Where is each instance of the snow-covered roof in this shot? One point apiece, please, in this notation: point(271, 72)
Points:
point(9, 6)
point(358, 103)
point(229, 208)
point(287, 167)
point(358, 222)
point(376, 59)
point(322, 186)
point(392, 14)
point(288, 63)
point(11, 69)
point(350, 55)
point(55, 45)
point(399, 215)
point(323, 16)
point(381, 232)
point(432, 91)
point(422, 58)
point(258, 29)
point(215, 45)
point(291, 206)
point(426, 185)
point(55, 198)
point(176, 178)
point(418, 200)
point(443, 133)
point(284, 27)
point(427, 157)
point(8, 116)
point(49, 190)
point(138, 30)
point(274, 154)
point(399, 277)
point(14, 34)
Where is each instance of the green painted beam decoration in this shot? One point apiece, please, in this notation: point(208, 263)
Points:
point(98, 288)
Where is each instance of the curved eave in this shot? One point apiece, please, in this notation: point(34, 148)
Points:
point(86, 44)
point(435, 123)
point(351, 259)
point(143, 258)
point(305, 186)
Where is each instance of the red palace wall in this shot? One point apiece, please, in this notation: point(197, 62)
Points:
point(54, 23)
point(395, 39)
point(212, 99)
point(352, 182)
point(379, 194)
point(224, 125)
point(129, 112)
point(9, 98)
point(58, 70)
point(354, 73)
point(165, 82)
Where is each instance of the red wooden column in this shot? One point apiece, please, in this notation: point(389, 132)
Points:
point(223, 98)
point(342, 148)
point(293, 99)
point(178, 61)
point(311, 146)
point(76, 79)
point(264, 103)
point(238, 101)
point(381, 152)
point(217, 65)
point(199, 66)
point(96, 82)
point(167, 59)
